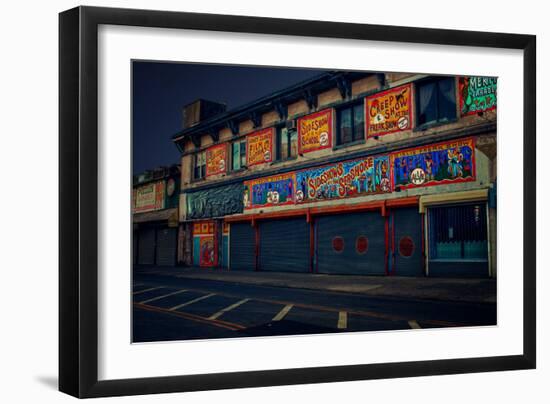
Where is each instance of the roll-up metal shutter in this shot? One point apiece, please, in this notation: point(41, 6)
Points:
point(407, 242)
point(134, 247)
point(284, 245)
point(351, 244)
point(146, 247)
point(166, 246)
point(243, 246)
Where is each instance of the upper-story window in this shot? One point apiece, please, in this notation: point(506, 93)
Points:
point(238, 154)
point(351, 124)
point(287, 143)
point(199, 165)
point(435, 100)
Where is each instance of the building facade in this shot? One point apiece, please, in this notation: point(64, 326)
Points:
point(155, 204)
point(346, 173)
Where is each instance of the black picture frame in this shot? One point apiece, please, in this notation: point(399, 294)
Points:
point(78, 196)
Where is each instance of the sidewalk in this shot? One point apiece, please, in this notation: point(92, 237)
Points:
point(447, 289)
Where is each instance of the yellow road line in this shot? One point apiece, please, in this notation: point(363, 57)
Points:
point(228, 308)
point(146, 290)
point(163, 296)
point(414, 324)
point(280, 315)
point(342, 320)
point(198, 299)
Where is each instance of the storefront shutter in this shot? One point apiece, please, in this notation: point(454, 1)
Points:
point(146, 248)
point(242, 244)
point(166, 246)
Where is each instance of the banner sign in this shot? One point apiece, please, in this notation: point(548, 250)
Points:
point(389, 111)
point(370, 175)
point(477, 94)
point(269, 191)
point(149, 197)
point(216, 159)
point(259, 147)
point(436, 164)
point(315, 131)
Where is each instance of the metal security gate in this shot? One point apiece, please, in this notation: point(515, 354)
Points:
point(406, 242)
point(146, 246)
point(351, 244)
point(284, 245)
point(166, 246)
point(242, 254)
point(134, 247)
point(458, 244)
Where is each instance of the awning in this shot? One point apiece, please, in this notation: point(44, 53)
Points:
point(169, 215)
point(453, 197)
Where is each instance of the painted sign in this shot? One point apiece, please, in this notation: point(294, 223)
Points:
point(366, 176)
point(436, 164)
point(389, 111)
point(204, 240)
point(269, 191)
point(216, 159)
point(477, 94)
point(259, 147)
point(149, 197)
point(315, 131)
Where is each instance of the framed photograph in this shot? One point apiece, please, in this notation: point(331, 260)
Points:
point(251, 202)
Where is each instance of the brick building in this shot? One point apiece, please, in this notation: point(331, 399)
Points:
point(347, 173)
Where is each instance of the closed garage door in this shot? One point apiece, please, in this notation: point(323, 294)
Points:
point(146, 247)
point(242, 243)
point(284, 245)
point(407, 242)
point(351, 244)
point(166, 246)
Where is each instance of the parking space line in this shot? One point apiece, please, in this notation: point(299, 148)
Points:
point(280, 315)
point(342, 320)
point(228, 308)
point(146, 290)
point(163, 296)
point(414, 324)
point(198, 299)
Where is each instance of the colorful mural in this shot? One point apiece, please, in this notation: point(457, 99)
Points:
point(435, 164)
point(204, 244)
point(216, 159)
point(315, 131)
point(259, 147)
point(477, 94)
point(269, 191)
point(389, 111)
point(369, 175)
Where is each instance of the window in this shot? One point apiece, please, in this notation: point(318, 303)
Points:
point(351, 124)
point(238, 154)
point(458, 232)
point(287, 143)
point(435, 100)
point(199, 169)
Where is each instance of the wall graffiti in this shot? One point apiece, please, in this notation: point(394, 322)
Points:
point(259, 147)
point(315, 131)
point(389, 111)
point(269, 191)
point(216, 159)
point(437, 164)
point(370, 175)
point(477, 94)
point(215, 202)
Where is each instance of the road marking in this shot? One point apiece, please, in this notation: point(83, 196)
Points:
point(146, 290)
point(163, 296)
point(342, 320)
point(198, 299)
point(280, 315)
point(414, 324)
point(228, 308)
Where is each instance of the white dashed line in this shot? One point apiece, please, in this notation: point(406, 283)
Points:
point(414, 324)
point(342, 320)
point(146, 290)
point(283, 312)
point(163, 296)
point(198, 299)
point(228, 308)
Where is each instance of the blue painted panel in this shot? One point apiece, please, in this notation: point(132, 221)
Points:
point(196, 251)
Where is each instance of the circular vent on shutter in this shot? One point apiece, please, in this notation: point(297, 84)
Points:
point(338, 244)
point(361, 244)
point(406, 246)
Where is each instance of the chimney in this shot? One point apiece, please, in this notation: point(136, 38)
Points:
point(200, 110)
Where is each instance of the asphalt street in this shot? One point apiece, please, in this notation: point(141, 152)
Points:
point(167, 308)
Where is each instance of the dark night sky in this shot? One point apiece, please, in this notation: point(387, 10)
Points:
point(160, 90)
